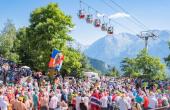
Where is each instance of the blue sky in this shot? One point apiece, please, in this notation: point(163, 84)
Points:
point(153, 13)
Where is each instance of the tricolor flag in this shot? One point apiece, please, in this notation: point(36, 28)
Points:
point(95, 101)
point(56, 60)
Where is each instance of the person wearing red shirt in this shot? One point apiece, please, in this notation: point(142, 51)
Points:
point(114, 97)
point(146, 102)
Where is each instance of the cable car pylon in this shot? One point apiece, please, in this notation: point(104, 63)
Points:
point(146, 35)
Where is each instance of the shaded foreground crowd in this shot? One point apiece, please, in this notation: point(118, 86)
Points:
point(11, 71)
point(106, 93)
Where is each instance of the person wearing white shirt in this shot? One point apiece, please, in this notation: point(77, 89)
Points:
point(53, 102)
point(153, 103)
point(86, 100)
point(129, 102)
point(123, 103)
point(165, 101)
point(78, 101)
point(3, 103)
point(104, 103)
point(117, 98)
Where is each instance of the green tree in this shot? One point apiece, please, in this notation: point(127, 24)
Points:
point(144, 65)
point(86, 65)
point(167, 59)
point(7, 37)
point(72, 63)
point(128, 66)
point(47, 30)
point(22, 47)
point(114, 72)
point(149, 66)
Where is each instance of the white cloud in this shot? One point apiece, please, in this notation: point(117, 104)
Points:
point(100, 15)
point(119, 15)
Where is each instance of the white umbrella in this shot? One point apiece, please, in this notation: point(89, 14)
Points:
point(1, 82)
point(26, 67)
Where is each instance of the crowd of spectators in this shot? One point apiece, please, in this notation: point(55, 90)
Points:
point(105, 93)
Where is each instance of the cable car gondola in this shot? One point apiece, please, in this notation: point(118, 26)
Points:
point(104, 27)
point(97, 22)
point(89, 19)
point(110, 30)
point(81, 14)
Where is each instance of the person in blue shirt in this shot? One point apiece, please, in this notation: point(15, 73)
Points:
point(35, 100)
point(139, 99)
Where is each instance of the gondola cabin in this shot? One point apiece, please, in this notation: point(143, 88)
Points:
point(104, 27)
point(97, 22)
point(110, 30)
point(89, 18)
point(81, 14)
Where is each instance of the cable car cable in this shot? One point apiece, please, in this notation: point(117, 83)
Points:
point(129, 14)
point(121, 25)
point(139, 25)
point(89, 6)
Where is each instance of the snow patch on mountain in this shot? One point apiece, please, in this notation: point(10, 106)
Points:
point(112, 49)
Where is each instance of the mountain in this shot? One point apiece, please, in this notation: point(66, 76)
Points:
point(96, 64)
point(78, 46)
point(112, 49)
point(99, 65)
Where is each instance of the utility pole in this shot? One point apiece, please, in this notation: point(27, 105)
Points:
point(146, 35)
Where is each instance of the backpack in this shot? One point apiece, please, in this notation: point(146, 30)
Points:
point(64, 97)
point(169, 99)
point(165, 103)
point(82, 105)
point(136, 106)
point(109, 100)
